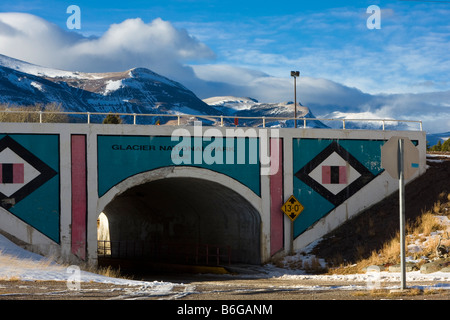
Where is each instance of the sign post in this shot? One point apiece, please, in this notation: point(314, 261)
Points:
point(400, 158)
point(401, 193)
point(292, 208)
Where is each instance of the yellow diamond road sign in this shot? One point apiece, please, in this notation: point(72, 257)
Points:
point(292, 208)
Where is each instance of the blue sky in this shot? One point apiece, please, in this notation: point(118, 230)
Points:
point(249, 48)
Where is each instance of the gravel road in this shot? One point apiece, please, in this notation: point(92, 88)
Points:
point(191, 287)
point(210, 297)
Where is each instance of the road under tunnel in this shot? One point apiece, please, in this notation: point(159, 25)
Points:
point(182, 220)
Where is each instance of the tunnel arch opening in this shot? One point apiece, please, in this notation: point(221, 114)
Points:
point(178, 215)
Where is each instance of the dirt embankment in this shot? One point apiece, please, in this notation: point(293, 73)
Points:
point(367, 232)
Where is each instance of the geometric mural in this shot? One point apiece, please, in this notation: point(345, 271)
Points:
point(120, 157)
point(29, 180)
point(327, 172)
point(335, 174)
point(21, 172)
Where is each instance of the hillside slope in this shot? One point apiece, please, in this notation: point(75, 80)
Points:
point(371, 229)
point(138, 90)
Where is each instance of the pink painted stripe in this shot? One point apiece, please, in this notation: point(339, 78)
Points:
point(326, 174)
point(18, 173)
point(79, 195)
point(276, 196)
point(342, 175)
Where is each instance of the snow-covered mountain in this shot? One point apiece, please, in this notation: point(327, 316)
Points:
point(248, 107)
point(367, 120)
point(138, 90)
point(142, 91)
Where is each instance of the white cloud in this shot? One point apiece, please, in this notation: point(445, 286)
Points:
point(157, 45)
point(268, 88)
point(410, 49)
point(324, 96)
point(226, 73)
point(172, 52)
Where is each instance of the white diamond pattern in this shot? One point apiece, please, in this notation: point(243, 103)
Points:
point(335, 159)
point(9, 156)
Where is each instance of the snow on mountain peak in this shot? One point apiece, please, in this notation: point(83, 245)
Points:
point(251, 108)
point(112, 85)
point(150, 75)
point(37, 70)
point(137, 90)
point(229, 100)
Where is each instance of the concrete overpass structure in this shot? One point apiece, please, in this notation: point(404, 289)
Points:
point(199, 185)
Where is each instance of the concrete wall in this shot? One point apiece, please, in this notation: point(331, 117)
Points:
point(181, 209)
point(85, 181)
point(381, 185)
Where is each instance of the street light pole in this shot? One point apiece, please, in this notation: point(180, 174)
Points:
point(295, 74)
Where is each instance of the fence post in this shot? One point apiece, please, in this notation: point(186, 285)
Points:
point(88, 117)
point(40, 116)
point(134, 118)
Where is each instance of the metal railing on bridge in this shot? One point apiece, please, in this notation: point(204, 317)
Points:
point(215, 119)
point(186, 253)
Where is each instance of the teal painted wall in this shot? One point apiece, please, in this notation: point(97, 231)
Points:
point(120, 157)
point(40, 205)
point(308, 154)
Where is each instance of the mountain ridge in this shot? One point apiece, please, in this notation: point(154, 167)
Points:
point(137, 90)
point(250, 107)
point(142, 91)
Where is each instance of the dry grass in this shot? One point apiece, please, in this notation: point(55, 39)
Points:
point(50, 113)
point(107, 272)
point(300, 261)
point(385, 293)
point(425, 224)
point(424, 232)
point(13, 261)
point(388, 254)
point(313, 265)
point(13, 267)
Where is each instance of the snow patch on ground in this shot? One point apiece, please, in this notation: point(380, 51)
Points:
point(19, 264)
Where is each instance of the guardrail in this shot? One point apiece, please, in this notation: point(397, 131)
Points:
point(219, 119)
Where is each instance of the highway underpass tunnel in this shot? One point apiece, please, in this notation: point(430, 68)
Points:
point(180, 221)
